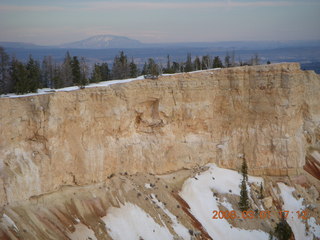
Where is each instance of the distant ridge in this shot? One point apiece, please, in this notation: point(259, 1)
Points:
point(103, 42)
point(108, 41)
point(19, 45)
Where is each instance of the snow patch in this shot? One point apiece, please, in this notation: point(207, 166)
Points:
point(9, 222)
point(314, 228)
point(131, 222)
point(226, 204)
point(178, 228)
point(198, 194)
point(291, 204)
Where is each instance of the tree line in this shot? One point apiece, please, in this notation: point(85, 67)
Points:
point(18, 77)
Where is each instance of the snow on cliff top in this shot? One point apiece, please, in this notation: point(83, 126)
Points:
point(72, 88)
point(43, 91)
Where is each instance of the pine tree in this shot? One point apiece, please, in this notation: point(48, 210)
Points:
point(206, 62)
point(133, 69)
point(176, 68)
point(34, 75)
point(261, 191)
point(145, 69)
point(57, 80)
point(66, 71)
point(96, 74)
point(105, 72)
point(188, 66)
point(283, 230)
point(120, 69)
point(244, 199)
point(197, 64)
point(152, 67)
point(76, 73)
point(217, 62)
point(19, 75)
point(169, 69)
point(244, 169)
point(83, 72)
point(5, 80)
point(47, 72)
point(227, 60)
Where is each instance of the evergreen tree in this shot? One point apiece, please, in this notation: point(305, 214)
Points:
point(19, 75)
point(83, 72)
point(66, 71)
point(227, 60)
point(168, 68)
point(96, 74)
point(47, 72)
point(188, 66)
point(120, 69)
point(232, 59)
point(34, 75)
point(244, 169)
point(76, 73)
point(133, 69)
point(197, 64)
point(168, 62)
point(57, 79)
point(261, 191)
point(283, 230)
point(176, 67)
point(217, 62)
point(244, 199)
point(206, 62)
point(105, 72)
point(145, 69)
point(152, 67)
point(6, 84)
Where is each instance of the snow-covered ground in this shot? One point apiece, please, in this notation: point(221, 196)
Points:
point(198, 193)
point(178, 227)
point(131, 222)
point(73, 88)
point(291, 204)
point(92, 85)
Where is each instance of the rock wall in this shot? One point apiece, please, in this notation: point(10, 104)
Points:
point(269, 114)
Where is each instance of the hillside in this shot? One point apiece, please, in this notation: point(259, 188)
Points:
point(104, 41)
point(90, 162)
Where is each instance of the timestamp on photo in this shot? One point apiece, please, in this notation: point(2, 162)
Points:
point(250, 214)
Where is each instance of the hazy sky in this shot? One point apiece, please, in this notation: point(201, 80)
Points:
point(60, 21)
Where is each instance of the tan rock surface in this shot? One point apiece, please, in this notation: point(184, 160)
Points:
point(270, 114)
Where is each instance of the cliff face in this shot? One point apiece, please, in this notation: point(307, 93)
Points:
point(269, 114)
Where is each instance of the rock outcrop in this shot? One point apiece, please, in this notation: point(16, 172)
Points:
point(268, 114)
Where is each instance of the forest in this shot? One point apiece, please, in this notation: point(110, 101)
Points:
point(26, 77)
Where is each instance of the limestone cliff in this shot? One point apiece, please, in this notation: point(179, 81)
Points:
point(270, 114)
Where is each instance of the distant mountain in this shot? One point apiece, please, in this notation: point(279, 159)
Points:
point(103, 42)
point(19, 45)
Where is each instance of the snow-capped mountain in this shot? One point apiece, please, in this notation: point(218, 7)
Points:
point(104, 41)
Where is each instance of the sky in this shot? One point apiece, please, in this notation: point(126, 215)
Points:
point(53, 22)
